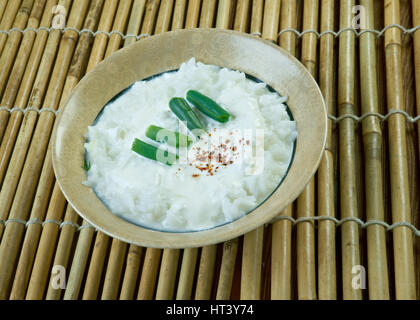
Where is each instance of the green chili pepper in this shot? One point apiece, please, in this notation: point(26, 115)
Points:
point(207, 106)
point(183, 111)
point(159, 134)
point(151, 152)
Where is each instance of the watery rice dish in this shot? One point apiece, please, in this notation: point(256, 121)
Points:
point(223, 175)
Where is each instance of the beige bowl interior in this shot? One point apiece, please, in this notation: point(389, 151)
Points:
point(164, 52)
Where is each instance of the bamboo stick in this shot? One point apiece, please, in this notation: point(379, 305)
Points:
point(348, 192)
point(132, 269)
point(405, 286)
point(230, 248)
point(225, 14)
point(149, 274)
point(120, 24)
point(86, 234)
point(416, 37)
point(208, 11)
point(271, 20)
point(101, 40)
point(372, 137)
point(288, 19)
point(281, 257)
point(167, 274)
point(11, 47)
point(186, 275)
point(257, 17)
point(242, 15)
point(164, 16)
point(305, 232)
point(179, 14)
point(327, 274)
point(40, 46)
point(31, 171)
point(266, 263)
point(299, 16)
point(150, 17)
point(149, 22)
point(206, 273)
point(136, 18)
point(227, 269)
point(62, 253)
point(379, 24)
point(252, 264)
point(96, 266)
point(46, 247)
point(80, 258)
point(33, 232)
point(7, 20)
point(193, 14)
point(2, 8)
point(253, 246)
point(310, 21)
point(114, 270)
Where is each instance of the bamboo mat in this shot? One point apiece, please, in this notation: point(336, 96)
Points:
point(352, 234)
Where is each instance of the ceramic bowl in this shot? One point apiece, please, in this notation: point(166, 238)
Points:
point(154, 55)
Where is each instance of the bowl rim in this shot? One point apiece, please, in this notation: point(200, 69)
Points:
point(162, 239)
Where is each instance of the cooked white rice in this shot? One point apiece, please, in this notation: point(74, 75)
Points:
point(190, 196)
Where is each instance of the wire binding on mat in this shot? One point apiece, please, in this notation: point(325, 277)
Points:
point(12, 220)
point(369, 114)
point(298, 33)
point(362, 224)
point(25, 110)
point(333, 118)
point(60, 224)
point(357, 33)
point(337, 222)
point(79, 32)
